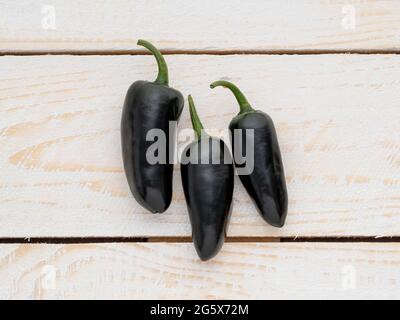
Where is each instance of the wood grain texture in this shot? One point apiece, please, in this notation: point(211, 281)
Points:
point(172, 271)
point(337, 118)
point(88, 25)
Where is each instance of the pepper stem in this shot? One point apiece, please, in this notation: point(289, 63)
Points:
point(197, 125)
point(162, 77)
point(241, 99)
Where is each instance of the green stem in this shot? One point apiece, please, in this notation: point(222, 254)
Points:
point(197, 125)
point(241, 99)
point(162, 77)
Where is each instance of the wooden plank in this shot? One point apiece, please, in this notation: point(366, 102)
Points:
point(337, 118)
point(275, 25)
point(172, 271)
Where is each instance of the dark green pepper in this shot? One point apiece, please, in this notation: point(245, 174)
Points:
point(150, 105)
point(207, 176)
point(266, 184)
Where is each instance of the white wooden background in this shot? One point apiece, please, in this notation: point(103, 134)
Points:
point(330, 82)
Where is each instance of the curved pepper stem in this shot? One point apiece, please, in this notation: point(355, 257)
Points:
point(162, 77)
point(197, 125)
point(241, 99)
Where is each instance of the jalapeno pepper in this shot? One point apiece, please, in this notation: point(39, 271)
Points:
point(207, 176)
point(150, 105)
point(266, 184)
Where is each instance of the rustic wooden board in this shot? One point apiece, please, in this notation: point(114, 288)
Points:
point(172, 271)
point(337, 118)
point(87, 25)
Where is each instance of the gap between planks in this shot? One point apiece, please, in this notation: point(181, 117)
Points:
point(200, 52)
point(92, 240)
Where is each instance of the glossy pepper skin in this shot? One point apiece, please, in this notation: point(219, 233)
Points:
point(266, 184)
point(208, 187)
point(149, 105)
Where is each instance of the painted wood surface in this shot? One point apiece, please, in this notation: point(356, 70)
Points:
point(337, 118)
point(274, 25)
point(172, 271)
